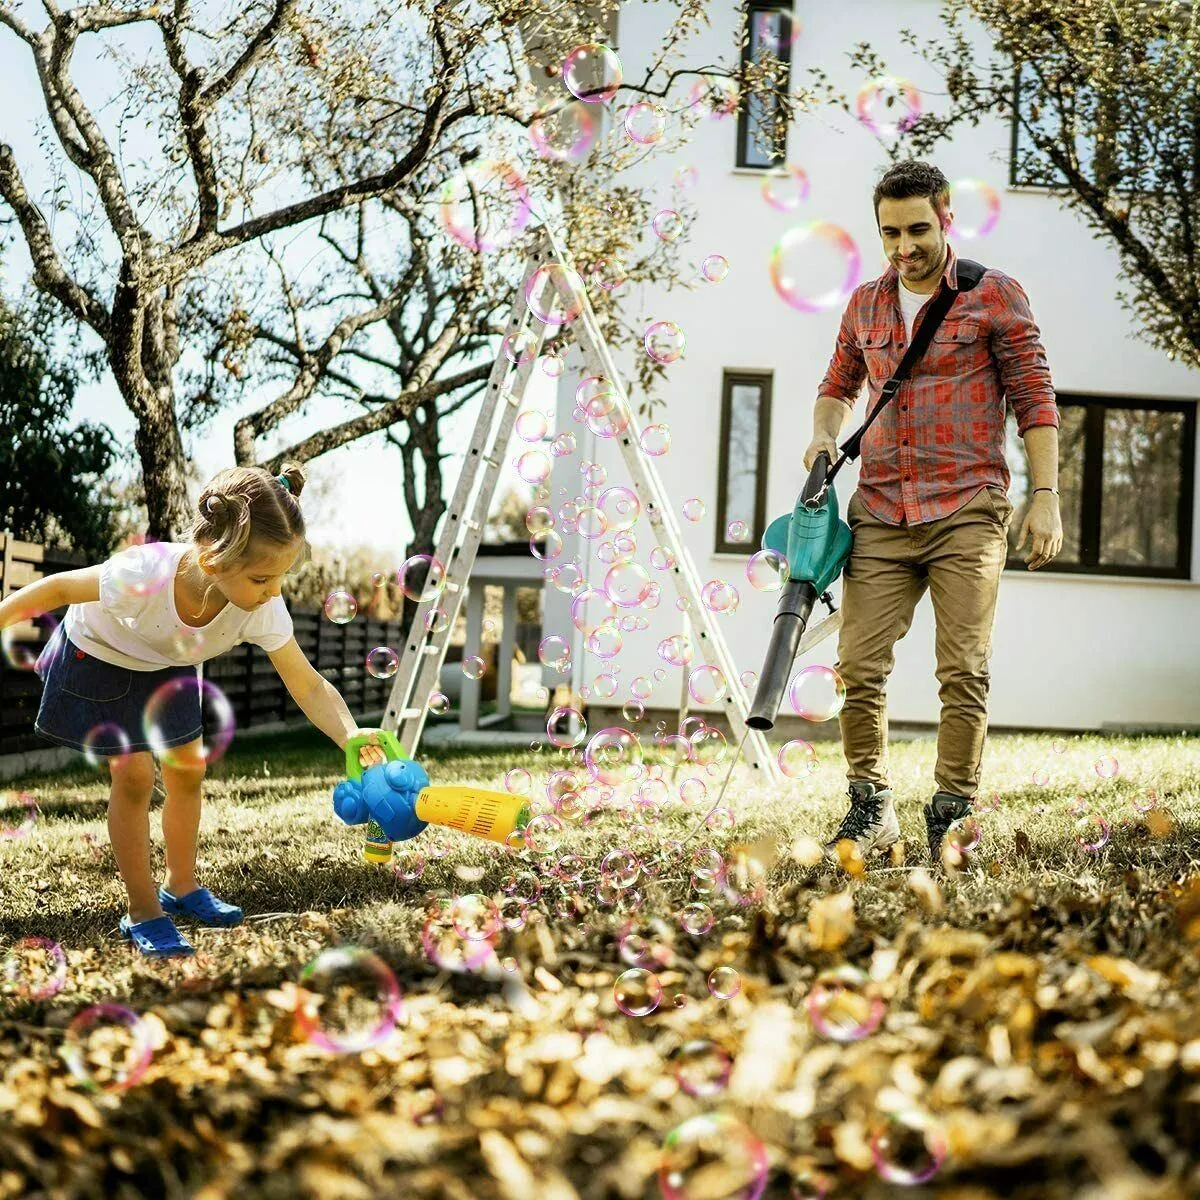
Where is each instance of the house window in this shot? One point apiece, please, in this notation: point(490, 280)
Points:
point(761, 133)
point(1126, 482)
point(1120, 139)
point(742, 468)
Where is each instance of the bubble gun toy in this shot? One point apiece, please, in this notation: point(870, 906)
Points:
point(397, 801)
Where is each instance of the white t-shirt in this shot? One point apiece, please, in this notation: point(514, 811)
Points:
point(135, 624)
point(911, 303)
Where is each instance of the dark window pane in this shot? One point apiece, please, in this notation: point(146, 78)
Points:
point(741, 477)
point(1072, 420)
point(770, 34)
point(1143, 472)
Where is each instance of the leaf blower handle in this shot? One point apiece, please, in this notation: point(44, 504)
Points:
point(822, 475)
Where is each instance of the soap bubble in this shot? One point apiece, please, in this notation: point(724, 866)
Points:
point(446, 947)
point(608, 273)
point(667, 225)
point(685, 176)
point(108, 1047)
point(621, 868)
point(797, 759)
point(592, 73)
point(554, 651)
point(976, 208)
point(604, 686)
point(597, 396)
point(887, 105)
point(436, 620)
point(633, 711)
point(702, 1068)
point(340, 607)
point(35, 968)
point(555, 294)
point(815, 267)
point(737, 531)
point(382, 662)
point(693, 509)
point(675, 650)
point(590, 609)
point(714, 268)
point(22, 654)
point(475, 917)
point(767, 570)
point(714, 96)
point(142, 570)
point(351, 1000)
point(614, 756)
point(520, 346)
point(786, 189)
point(656, 440)
point(1107, 767)
point(1092, 832)
point(176, 700)
point(421, 578)
point(909, 1148)
point(517, 781)
point(565, 135)
point(605, 640)
point(844, 1004)
point(553, 364)
point(719, 596)
point(696, 919)
point(748, 678)
point(531, 425)
point(724, 982)
point(645, 123)
point(533, 466)
point(715, 1157)
point(637, 992)
point(662, 558)
point(563, 445)
point(485, 205)
point(641, 687)
point(627, 584)
point(591, 523)
point(559, 727)
point(439, 704)
point(620, 508)
point(538, 519)
point(102, 742)
point(817, 693)
point(706, 684)
point(665, 342)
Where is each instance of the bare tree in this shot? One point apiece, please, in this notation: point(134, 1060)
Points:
point(1104, 97)
point(226, 190)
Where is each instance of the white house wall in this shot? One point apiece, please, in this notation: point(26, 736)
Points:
point(1068, 652)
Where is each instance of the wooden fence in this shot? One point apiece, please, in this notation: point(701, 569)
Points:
point(244, 673)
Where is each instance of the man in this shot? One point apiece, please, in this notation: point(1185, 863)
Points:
point(931, 509)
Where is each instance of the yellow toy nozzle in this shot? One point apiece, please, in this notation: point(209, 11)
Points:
point(478, 811)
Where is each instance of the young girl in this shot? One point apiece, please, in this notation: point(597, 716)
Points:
point(147, 617)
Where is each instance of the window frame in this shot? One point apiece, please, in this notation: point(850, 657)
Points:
point(1092, 488)
point(779, 155)
point(764, 380)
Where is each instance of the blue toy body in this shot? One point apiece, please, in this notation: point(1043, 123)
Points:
point(387, 794)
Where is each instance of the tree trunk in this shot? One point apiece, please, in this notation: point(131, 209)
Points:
point(164, 472)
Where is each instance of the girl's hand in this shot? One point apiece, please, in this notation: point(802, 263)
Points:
point(371, 755)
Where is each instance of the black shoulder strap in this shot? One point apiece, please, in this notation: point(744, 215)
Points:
point(969, 273)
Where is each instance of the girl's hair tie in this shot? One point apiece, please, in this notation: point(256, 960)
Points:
point(283, 480)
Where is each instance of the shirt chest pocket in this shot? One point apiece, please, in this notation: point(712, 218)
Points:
point(881, 353)
point(90, 679)
point(957, 348)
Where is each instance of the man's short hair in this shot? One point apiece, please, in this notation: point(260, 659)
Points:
point(912, 177)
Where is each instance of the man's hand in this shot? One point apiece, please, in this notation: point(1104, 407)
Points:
point(1044, 525)
point(820, 442)
point(372, 754)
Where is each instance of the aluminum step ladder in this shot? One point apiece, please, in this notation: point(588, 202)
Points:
point(418, 673)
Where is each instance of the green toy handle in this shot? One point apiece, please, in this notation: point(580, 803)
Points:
point(387, 742)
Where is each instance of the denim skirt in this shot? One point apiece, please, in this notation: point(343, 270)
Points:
point(93, 705)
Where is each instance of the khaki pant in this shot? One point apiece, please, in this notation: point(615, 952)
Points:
point(959, 559)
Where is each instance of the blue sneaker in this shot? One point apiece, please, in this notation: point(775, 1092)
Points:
point(202, 906)
point(156, 938)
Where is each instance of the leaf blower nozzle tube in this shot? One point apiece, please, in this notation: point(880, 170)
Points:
point(791, 618)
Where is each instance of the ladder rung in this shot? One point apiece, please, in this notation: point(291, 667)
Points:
point(407, 713)
point(430, 648)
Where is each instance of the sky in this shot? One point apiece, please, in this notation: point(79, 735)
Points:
point(361, 484)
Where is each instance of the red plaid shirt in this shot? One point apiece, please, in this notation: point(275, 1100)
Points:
point(941, 439)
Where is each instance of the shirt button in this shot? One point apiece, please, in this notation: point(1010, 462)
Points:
point(904, 442)
point(904, 408)
point(78, 653)
point(906, 479)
